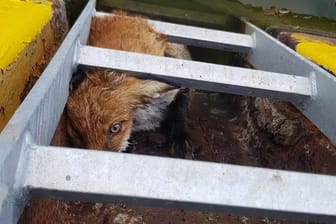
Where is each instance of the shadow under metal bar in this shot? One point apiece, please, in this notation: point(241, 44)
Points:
point(164, 182)
point(201, 75)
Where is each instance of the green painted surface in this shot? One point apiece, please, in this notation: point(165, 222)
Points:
point(214, 9)
point(325, 8)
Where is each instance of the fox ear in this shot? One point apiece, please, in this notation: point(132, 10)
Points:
point(145, 91)
point(78, 77)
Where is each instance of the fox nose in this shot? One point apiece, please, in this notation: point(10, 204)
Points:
point(131, 147)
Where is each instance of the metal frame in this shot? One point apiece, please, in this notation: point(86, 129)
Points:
point(272, 55)
point(28, 167)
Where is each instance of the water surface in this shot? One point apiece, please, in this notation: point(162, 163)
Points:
point(324, 8)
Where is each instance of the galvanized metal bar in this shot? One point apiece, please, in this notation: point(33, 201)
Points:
point(200, 75)
point(271, 55)
point(201, 37)
point(36, 119)
point(125, 178)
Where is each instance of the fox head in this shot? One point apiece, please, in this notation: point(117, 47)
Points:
point(100, 111)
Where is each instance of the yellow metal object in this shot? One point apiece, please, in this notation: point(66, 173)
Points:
point(27, 41)
point(20, 22)
point(321, 50)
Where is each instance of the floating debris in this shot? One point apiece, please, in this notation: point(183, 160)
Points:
point(284, 11)
point(270, 11)
point(307, 17)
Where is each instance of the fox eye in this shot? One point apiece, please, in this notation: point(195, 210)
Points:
point(115, 128)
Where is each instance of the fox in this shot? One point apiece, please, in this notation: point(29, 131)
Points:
point(106, 106)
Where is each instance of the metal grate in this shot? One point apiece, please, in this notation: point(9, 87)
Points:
point(29, 167)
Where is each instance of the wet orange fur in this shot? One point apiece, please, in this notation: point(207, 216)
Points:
point(126, 33)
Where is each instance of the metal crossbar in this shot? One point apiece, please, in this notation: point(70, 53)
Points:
point(200, 37)
point(29, 167)
point(200, 75)
point(174, 183)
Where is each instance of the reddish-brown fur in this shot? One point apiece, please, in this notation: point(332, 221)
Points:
point(126, 33)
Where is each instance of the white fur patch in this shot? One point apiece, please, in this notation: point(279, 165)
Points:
point(124, 146)
point(149, 116)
